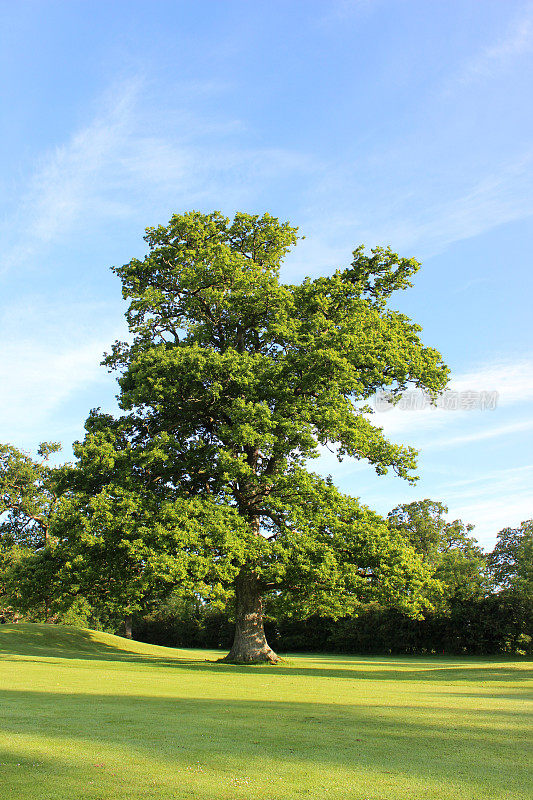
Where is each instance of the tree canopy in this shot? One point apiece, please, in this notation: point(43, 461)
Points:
point(454, 555)
point(28, 504)
point(511, 560)
point(28, 495)
point(231, 383)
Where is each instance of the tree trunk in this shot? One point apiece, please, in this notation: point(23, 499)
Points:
point(128, 626)
point(250, 645)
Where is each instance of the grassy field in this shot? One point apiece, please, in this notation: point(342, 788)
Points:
point(89, 715)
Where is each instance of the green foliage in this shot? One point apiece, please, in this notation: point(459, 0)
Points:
point(454, 556)
point(28, 504)
point(27, 494)
point(230, 385)
point(511, 561)
point(32, 584)
point(478, 626)
point(181, 621)
point(498, 624)
point(122, 549)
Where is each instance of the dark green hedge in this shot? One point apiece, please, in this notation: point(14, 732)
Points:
point(499, 624)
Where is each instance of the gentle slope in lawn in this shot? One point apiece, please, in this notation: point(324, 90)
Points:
point(87, 714)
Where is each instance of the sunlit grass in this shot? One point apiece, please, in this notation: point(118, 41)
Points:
point(88, 715)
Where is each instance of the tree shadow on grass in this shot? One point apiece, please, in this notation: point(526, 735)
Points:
point(484, 749)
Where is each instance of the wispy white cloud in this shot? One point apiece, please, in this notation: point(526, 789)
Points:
point(489, 498)
point(116, 167)
point(506, 478)
point(35, 382)
point(513, 384)
point(67, 184)
point(448, 177)
point(489, 433)
point(51, 352)
point(493, 513)
point(512, 380)
point(119, 168)
point(492, 500)
point(505, 196)
point(429, 227)
point(413, 214)
point(70, 182)
point(517, 40)
point(340, 10)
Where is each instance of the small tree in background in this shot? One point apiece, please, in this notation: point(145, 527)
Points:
point(230, 385)
point(28, 495)
point(453, 554)
point(28, 503)
point(511, 561)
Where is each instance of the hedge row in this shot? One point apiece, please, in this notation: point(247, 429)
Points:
point(499, 624)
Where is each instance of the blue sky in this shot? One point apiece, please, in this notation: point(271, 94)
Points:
point(387, 122)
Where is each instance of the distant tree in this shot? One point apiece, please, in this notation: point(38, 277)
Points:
point(511, 561)
point(454, 555)
point(232, 382)
point(28, 503)
point(28, 493)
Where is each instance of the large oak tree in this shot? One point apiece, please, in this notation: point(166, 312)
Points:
point(231, 383)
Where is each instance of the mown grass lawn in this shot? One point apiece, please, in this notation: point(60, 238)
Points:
point(88, 715)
